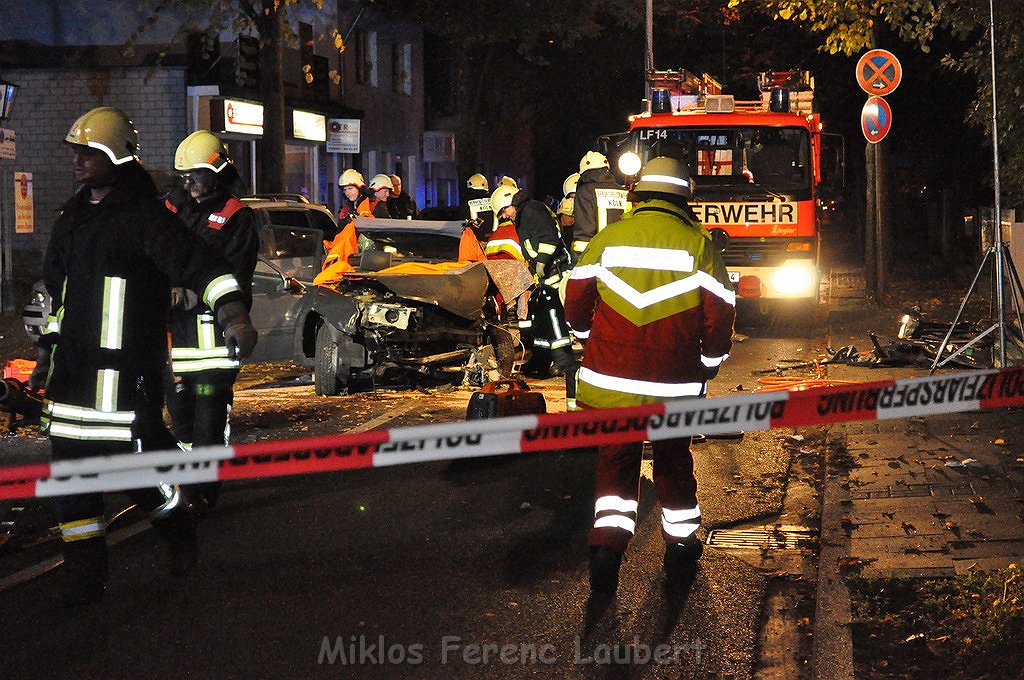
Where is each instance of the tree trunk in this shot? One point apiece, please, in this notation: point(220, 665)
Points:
point(270, 175)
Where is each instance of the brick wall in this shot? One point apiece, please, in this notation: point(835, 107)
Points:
point(48, 102)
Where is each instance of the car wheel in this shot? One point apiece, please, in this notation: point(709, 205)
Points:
point(325, 377)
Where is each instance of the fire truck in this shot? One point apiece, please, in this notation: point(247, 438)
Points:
point(757, 168)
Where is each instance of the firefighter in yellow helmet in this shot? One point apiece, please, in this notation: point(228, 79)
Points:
point(477, 205)
point(661, 332)
point(114, 253)
point(200, 395)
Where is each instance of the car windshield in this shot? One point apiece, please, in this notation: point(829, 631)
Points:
point(411, 240)
point(736, 162)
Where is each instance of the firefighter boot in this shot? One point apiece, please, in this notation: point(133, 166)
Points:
point(681, 562)
point(84, 572)
point(604, 570)
point(178, 529)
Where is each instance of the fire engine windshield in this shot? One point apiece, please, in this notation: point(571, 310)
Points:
point(737, 162)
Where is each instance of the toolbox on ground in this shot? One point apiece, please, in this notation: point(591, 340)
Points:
point(504, 398)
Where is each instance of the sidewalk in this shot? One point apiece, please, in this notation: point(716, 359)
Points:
point(920, 499)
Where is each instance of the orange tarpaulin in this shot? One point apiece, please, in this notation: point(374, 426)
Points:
point(346, 243)
point(336, 263)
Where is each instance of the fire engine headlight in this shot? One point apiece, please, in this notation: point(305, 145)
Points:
point(629, 164)
point(795, 278)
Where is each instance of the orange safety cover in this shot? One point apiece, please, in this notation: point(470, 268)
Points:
point(336, 263)
point(469, 247)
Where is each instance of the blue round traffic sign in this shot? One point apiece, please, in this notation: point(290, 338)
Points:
point(875, 119)
point(879, 72)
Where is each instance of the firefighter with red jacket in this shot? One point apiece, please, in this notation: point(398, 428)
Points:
point(113, 254)
point(652, 298)
point(200, 395)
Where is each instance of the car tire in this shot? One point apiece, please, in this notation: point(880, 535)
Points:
point(326, 382)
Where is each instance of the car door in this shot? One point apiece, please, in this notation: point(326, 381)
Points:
point(290, 249)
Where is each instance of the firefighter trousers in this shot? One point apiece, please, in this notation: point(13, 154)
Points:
point(200, 405)
point(618, 492)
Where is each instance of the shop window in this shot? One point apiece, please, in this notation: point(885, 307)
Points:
point(366, 58)
point(401, 68)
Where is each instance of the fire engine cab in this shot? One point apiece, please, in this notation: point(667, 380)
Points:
point(757, 170)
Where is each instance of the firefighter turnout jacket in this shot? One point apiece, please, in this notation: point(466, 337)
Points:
point(600, 200)
point(652, 300)
point(228, 227)
point(542, 243)
point(109, 268)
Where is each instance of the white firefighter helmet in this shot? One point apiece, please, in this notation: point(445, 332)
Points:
point(477, 181)
point(381, 181)
point(665, 175)
point(109, 130)
point(508, 182)
point(201, 149)
point(569, 185)
point(593, 159)
point(351, 178)
point(565, 206)
point(502, 197)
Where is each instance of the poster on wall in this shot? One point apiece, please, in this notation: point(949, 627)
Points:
point(24, 213)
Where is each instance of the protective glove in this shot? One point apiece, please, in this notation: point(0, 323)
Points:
point(239, 334)
point(539, 271)
point(41, 373)
point(183, 298)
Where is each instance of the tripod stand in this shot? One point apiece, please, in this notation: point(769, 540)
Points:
point(997, 251)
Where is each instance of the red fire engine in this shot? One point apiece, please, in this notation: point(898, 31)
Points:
point(757, 168)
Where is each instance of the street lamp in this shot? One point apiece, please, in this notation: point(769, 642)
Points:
point(7, 92)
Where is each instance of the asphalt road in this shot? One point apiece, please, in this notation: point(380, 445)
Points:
point(470, 569)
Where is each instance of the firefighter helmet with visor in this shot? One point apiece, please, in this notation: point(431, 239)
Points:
point(381, 182)
point(351, 178)
point(593, 159)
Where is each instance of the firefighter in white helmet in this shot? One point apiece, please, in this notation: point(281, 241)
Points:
point(569, 185)
point(352, 194)
point(661, 332)
point(599, 201)
point(376, 204)
point(200, 396)
point(546, 332)
point(114, 253)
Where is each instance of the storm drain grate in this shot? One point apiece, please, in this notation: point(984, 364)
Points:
point(761, 538)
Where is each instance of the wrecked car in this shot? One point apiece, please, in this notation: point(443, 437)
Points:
point(412, 301)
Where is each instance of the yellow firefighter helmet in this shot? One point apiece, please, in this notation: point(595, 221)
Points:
point(593, 159)
point(569, 185)
point(201, 149)
point(667, 176)
point(109, 130)
point(502, 197)
point(351, 178)
point(478, 182)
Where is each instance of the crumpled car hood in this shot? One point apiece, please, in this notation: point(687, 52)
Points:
point(459, 291)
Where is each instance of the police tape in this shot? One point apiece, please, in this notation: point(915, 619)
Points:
point(882, 400)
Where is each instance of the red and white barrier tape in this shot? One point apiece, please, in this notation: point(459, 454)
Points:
point(883, 400)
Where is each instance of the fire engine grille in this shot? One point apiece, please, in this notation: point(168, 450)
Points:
point(754, 253)
point(762, 538)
